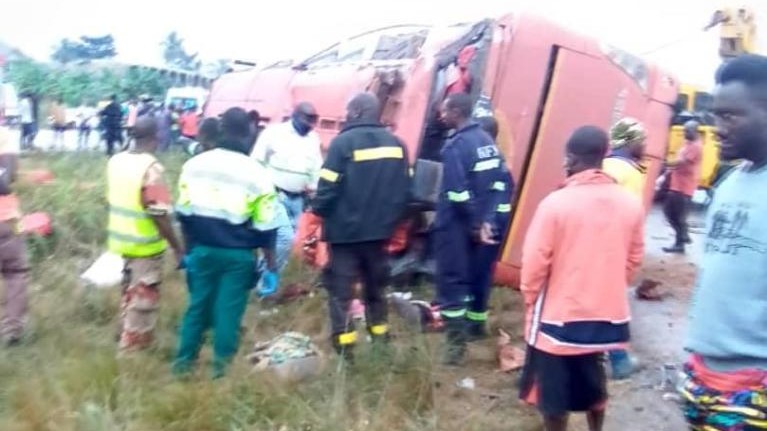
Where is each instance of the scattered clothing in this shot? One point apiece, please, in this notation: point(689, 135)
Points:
point(282, 349)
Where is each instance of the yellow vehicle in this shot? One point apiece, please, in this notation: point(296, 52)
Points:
point(738, 35)
point(695, 104)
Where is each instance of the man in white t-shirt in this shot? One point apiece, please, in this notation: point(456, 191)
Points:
point(27, 118)
point(291, 153)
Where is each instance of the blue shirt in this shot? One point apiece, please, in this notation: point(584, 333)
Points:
point(728, 317)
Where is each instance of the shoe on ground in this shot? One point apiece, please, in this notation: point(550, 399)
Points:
point(477, 332)
point(624, 368)
point(454, 356)
point(676, 249)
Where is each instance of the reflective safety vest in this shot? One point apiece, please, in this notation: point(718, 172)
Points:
point(226, 185)
point(132, 232)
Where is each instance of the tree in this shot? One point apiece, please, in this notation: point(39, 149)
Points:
point(138, 81)
point(97, 48)
point(86, 49)
point(175, 54)
point(83, 85)
point(67, 51)
point(31, 77)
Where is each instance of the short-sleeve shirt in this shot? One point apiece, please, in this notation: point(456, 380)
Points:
point(155, 194)
point(686, 175)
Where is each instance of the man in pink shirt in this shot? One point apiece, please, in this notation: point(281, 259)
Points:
point(685, 175)
point(584, 245)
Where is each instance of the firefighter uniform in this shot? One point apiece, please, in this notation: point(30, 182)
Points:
point(469, 197)
point(484, 256)
point(362, 195)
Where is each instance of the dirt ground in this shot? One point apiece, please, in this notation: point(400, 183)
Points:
point(637, 404)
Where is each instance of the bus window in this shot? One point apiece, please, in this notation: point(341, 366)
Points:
point(703, 102)
point(682, 102)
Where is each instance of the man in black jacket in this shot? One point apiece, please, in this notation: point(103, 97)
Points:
point(362, 195)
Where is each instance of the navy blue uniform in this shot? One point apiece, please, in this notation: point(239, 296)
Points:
point(476, 188)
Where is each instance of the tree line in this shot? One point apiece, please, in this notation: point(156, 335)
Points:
point(73, 77)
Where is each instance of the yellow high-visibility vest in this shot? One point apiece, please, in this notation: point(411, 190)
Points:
point(132, 232)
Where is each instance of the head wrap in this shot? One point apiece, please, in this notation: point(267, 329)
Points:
point(625, 132)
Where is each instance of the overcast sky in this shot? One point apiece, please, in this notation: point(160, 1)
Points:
point(271, 29)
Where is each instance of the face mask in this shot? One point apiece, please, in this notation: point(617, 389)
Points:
point(302, 129)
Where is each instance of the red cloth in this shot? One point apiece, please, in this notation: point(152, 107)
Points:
point(37, 224)
point(462, 84)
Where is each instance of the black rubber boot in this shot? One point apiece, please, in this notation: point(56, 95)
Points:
point(344, 348)
point(456, 339)
point(477, 331)
point(675, 249)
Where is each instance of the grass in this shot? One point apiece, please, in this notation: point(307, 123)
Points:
point(66, 376)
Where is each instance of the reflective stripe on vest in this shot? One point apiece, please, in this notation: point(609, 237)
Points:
point(499, 186)
point(132, 232)
point(486, 165)
point(234, 195)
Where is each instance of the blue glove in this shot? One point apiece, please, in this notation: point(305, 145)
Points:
point(270, 281)
point(184, 263)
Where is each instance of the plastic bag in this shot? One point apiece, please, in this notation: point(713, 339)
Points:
point(106, 271)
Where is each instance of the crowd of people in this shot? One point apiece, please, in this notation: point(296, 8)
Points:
point(582, 250)
point(113, 123)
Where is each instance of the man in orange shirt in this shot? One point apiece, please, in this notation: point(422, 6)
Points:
point(188, 122)
point(685, 175)
point(584, 245)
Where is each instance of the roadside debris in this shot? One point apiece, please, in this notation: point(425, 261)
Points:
point(38, 224)
point(418, 314)
point(290, 356)
point(37, 176)
point(648, 290)
point(467, 383)
point(105, 272)
point(510, 358)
